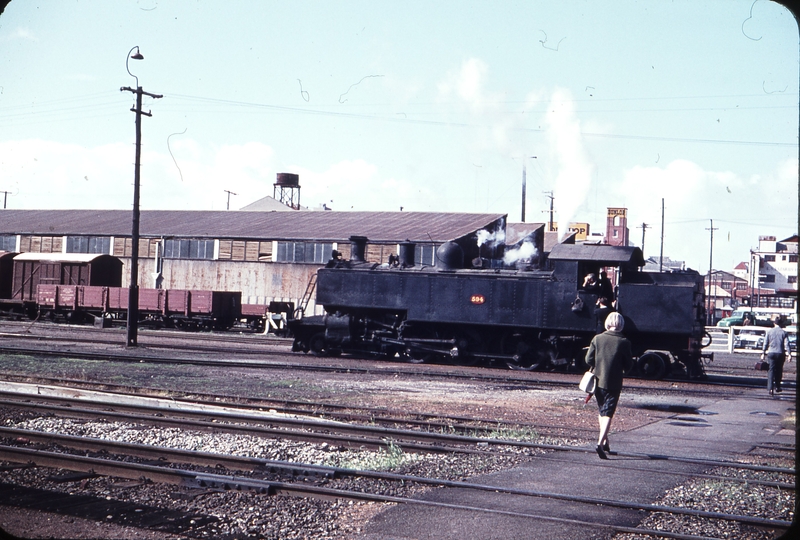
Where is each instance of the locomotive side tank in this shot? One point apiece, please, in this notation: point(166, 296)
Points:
point(529, 317)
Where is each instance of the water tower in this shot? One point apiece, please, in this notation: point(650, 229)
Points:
point(287, 190)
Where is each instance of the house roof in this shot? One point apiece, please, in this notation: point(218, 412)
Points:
point(319, 226)
point(268, 204)
point(61, 257)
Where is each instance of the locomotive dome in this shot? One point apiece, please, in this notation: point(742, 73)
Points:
point(449, 256)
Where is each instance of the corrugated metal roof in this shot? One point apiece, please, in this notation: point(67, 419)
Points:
point(320, 226)
point(59, 257)
point(599, 253)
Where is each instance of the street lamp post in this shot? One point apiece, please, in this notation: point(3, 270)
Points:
point(133, 291)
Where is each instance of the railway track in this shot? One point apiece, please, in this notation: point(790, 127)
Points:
point(256, 422)
point(308, 480)
point(275, 360)
point(255, 350)
point(261, 486)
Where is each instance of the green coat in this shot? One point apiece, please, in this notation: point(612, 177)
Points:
point(610, 355)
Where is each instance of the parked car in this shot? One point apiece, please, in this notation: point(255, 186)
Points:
point(738, 320)
point(791, 333)
point(749, 338)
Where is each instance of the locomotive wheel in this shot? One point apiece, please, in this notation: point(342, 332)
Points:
point(317, 343)
point(420, 357)
point(528, 358)
point(467, 344)
point(651, 365)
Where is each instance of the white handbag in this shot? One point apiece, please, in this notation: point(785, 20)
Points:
point(588, 382)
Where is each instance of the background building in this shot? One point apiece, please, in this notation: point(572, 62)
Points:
point(268, 256)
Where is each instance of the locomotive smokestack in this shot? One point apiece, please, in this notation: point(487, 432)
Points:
point(358, 247)
point(407, 254)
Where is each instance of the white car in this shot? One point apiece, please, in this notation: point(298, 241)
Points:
point(749, 338)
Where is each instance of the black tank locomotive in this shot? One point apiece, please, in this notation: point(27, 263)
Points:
point(529, 316)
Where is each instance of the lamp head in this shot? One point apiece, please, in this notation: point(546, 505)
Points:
point(136, 56)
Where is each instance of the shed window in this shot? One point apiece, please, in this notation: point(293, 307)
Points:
point(8, 243)
point(304, 252)
point(425, 255)
point(188, 249)
point(88, 244)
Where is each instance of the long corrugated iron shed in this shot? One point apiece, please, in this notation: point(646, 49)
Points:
point(318, 226)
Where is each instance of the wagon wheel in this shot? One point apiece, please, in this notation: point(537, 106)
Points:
point(527, 357)
point(651, 365)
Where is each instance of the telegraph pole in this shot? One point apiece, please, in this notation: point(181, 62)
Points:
point(524, 186)
point(661, 255)
point(133, 292)
point(710, 313)
point(550, 196)
point(644, 226)
point(228, 207)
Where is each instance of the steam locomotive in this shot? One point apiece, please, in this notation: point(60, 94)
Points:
point(478, 304)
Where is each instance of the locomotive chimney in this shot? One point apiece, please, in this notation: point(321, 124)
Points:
point(358, 248)
point(407, 253)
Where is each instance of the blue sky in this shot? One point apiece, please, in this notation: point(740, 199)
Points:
point(428, 106)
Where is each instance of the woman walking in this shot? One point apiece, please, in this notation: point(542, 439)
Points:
point(610, 355)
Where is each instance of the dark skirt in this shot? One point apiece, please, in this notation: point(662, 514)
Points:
point(606, 401)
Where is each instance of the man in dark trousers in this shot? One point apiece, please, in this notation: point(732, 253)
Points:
point(776, 347)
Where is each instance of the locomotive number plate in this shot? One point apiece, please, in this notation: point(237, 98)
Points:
point(477, 299)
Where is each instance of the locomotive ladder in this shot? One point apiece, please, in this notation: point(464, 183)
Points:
point(312, 283)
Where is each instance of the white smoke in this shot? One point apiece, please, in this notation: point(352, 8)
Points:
point(575, 169)
point(497, 237)
point(524, 253)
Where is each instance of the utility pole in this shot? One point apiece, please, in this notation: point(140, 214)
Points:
point(133, 292)
point(550, 196)
point(228, 207)
point(710, 312)
point(644, 226)
point(661, 255)
point(524, 185)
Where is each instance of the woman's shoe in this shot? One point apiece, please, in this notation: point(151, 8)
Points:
point(607, 449)
point(600, 452)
